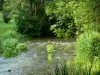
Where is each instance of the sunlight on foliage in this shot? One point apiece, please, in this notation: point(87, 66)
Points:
point(50, 51)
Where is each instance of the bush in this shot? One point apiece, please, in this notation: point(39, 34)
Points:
point(11, 34)
point(27, 24)
point(50, 48)
point(33, 24)
point(88, 47)
point(9, 47)
point(21, 47)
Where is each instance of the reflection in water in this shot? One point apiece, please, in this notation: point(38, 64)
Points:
point(34, 61)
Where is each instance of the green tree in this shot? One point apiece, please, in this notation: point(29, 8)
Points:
point(78, 15)
point(64, 26)
point(16, 5)
point(1, 4)
point(85, 14)
point(30, 16)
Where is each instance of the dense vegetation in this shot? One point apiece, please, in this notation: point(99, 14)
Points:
point(78, 19)
point(64, 26)
point(10, 44)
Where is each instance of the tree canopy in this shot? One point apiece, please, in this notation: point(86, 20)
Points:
point(67, 18)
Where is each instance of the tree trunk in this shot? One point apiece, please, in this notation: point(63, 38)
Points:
point(31, 7)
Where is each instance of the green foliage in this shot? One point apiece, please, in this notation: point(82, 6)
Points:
point(88, 46)
point(64, 30)
point(27, 24)
point(50, 48)
point(33, 25)
point(79, 69)
point(50, 57)
point(11, 34)
point(9, 44)
point(21, 47)
point(83, 15)
point(61, 70)
point(64, 26)
point(29, 16)
point(6, 26)
point(73, 17)
point(9, 47)
point(71, 68)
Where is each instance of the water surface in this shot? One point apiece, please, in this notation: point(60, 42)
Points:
point(34, 61)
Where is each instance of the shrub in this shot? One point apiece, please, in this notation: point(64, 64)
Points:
point(11, 34)
point(33, 24)
point(88, 47)
point(21, 47)
point(9, 47)
point(27, 24)
point(50, 48)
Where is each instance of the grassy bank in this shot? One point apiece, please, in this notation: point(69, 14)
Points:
point(5, 26)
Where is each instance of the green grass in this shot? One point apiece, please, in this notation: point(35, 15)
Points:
point(5, 26)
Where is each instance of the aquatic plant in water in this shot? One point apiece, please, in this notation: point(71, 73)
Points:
point(50, 51)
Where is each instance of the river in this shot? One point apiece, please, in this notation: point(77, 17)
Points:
point(34, 61)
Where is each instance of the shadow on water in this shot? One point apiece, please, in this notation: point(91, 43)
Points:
point(34, 61)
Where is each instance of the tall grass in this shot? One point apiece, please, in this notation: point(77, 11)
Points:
point(88, 47)
point(72, 69)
